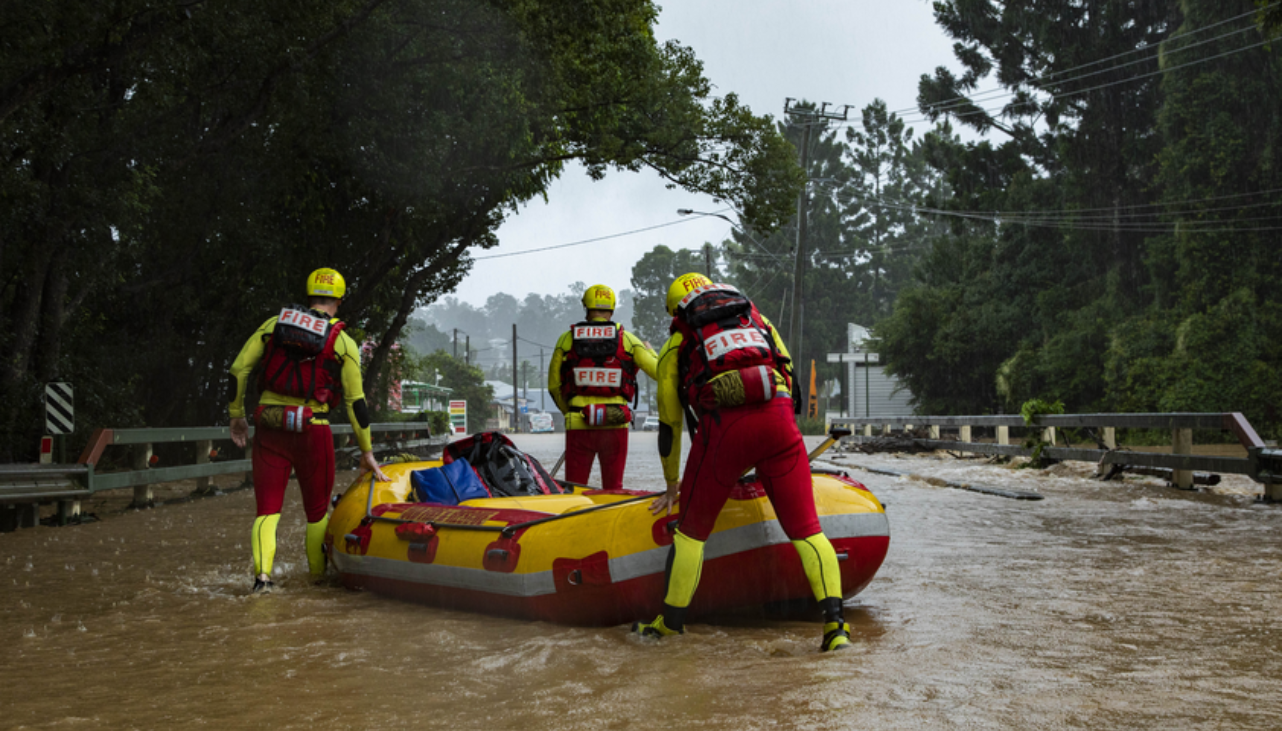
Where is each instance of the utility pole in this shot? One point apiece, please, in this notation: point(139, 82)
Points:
point(515, 414)
point(543, 384)
point(456, 343)
point(808, 117)
point(468, 347)
point(707, 258)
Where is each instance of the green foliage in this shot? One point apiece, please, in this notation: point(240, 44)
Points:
point(1034, 408)
point(651, 277)
point(184, 167)
point(1030, 410)
point(467, 383)
point(812, 427)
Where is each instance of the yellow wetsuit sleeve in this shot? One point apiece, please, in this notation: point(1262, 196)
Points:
point(349, 355)
point(554, 371)
point(249, 355)
point(647, 362)
point(671, 416)
point(783, 350)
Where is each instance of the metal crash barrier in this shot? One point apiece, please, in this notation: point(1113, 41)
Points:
point(1262, 464)
point(23, 488)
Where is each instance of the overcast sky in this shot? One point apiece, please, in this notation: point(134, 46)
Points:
point(838, 51)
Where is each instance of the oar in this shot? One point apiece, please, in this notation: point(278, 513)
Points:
point(834, 436)
point(557, 468)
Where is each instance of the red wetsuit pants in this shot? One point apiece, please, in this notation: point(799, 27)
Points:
point(764, 436)
point(310, 455)
point(584, 445)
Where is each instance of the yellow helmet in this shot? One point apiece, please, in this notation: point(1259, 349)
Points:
point(326, 283)
point(598, 297)
point(682, 286)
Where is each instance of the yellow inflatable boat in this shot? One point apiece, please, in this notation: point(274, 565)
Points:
point(586, 557)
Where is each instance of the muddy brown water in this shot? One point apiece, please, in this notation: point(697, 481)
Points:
point(1105, 606)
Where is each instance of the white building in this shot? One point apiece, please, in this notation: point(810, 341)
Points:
point(868, 389)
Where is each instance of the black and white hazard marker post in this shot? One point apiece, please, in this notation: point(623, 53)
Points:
point(60, 414)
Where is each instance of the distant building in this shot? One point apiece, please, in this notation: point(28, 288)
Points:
point(868, 389)
point(417, 397)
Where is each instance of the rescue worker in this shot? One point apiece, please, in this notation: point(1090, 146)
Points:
point(308, 363)
point(727, 366)
point(592, 377)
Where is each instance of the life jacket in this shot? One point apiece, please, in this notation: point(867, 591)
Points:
point(298, 359)
point(722, 332)
point(598, 363)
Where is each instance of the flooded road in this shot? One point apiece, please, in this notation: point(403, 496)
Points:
point(1106, 605)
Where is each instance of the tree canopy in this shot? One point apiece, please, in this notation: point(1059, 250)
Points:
point(173, 171)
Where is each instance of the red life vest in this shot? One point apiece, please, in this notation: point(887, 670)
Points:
point(299, 359)
point(722, 331)
point(598, 363)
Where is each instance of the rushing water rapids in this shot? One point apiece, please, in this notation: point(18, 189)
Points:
point(1113, 605)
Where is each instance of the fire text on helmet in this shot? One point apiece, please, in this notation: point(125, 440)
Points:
point(727, 341)
point(610, 377)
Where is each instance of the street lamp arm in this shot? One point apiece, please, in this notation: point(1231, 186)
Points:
point(737, 227)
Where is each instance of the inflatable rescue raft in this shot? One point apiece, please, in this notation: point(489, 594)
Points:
point(586, 556)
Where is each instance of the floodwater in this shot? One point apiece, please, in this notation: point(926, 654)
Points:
point(1104, 606)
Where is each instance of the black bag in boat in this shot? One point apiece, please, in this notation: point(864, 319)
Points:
point(506, 470)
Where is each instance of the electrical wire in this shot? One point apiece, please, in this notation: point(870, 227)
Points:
point(1047, 77)
point(1005, 109)
point(585, 241)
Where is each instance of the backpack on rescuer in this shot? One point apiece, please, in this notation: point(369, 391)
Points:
point(598, 363)
point(298, 359)
point(722, 333)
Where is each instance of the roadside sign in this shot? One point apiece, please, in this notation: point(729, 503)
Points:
point(60, 412)
point(46, 449)
point(458, 417)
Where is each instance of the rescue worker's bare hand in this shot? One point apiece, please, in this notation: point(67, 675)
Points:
point(239, 432)
point(369, 464)
point(665, 502)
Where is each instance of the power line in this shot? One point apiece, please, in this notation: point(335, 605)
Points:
point(585, 241)
point(924, 117)
point(1123, 54)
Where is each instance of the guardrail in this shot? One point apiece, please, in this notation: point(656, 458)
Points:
point(23, 488)
point(1262, 464)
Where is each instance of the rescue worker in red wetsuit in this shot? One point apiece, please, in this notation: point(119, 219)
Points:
point(308, 363)
point(727, 365)
point(592, 378)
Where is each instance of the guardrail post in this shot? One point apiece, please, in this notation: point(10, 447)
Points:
point(934, 432)
point(144, 495)
point(68, 509)
point(1003, 435)
point(1048, 435)
point(202, 457)
point(885, 430)
point(1182, 443)
point(964, 433)
point(1110, 437)
point(867, 430)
